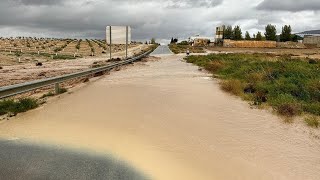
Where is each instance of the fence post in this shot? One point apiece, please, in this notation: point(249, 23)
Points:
point(57, 88)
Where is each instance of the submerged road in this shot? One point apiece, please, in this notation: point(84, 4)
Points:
point(165, 119)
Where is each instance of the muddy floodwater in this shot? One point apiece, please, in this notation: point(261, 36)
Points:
point(172, 122)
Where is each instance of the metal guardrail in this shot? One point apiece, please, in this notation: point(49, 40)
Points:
point(8, 91)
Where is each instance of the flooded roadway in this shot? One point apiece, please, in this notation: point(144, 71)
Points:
point(171, 121)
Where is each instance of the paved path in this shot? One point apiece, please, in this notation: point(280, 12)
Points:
point(162, 50)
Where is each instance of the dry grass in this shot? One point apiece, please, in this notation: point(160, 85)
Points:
point(232, 86)
point(214, 66)
point(289, 109)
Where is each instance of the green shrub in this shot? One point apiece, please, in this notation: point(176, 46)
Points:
point(62, 90)
point(57, 49)
point(312, 121)
point(6, 106)
point(61, 56)
point(312, 108)
point(25, 104)
point(79, 44)
point(255, 77)
point(291, 86)
point(286, 105)
point(15, 107)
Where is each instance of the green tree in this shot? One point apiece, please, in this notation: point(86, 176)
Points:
point(271, 33)
point(286, 33)
point(228, 32)
point(248, 37)
point(237, 33)
point(183, 43)
point(296, 38)
point(153, 41)
point(259, 36)
point(171, 42)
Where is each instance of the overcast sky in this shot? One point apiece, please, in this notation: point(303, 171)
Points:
point(152, 18)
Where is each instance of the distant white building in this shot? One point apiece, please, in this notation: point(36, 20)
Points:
point(193, 38)
point(118, 34)
point(310, 37)
point(201, 40)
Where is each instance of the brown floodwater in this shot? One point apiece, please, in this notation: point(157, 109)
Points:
point(171, 122)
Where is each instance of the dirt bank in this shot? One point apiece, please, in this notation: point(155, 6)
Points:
point(15, 74)
point(173, 122)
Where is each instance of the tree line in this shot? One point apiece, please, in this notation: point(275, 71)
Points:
point(270, 34)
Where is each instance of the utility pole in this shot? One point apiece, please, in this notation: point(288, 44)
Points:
point(110, 43)
point(127, 34)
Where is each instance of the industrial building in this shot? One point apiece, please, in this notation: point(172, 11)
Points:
point(118, 34)
point(309, 33)
point(201, 40)
point(312, 40)
point(219, 34)
point(311, 37)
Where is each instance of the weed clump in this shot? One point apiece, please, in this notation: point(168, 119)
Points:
point(232, 86)
point(15, 107)
point(214, 66)
point(49, 94)
point(286, 105)
point(62, 90)
point(312, 121)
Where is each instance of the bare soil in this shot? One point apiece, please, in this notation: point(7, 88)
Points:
point(309, 52)
point(19, 73)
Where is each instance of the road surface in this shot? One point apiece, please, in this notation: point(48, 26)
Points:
point(23, 161)
point(162, 50)
point(169, 121)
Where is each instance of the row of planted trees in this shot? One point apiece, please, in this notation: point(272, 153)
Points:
point(270, 34)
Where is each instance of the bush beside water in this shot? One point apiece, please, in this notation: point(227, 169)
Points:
point(19, 106)
point(290, 86)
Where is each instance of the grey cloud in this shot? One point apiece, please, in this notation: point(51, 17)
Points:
point(290, 5)
point(148, 18)
point(179, 3)
point(195, 3)
point(38, 2)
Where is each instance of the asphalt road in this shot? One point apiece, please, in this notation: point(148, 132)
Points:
point(22, 161)
point(162, 50)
